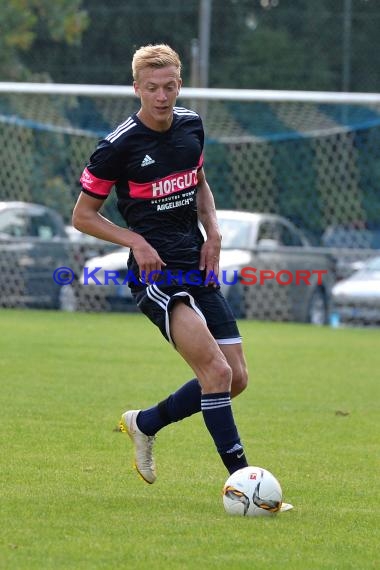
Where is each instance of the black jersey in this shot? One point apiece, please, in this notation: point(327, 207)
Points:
point(155, 177)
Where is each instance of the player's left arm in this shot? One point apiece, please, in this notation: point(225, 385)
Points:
point(210, 252)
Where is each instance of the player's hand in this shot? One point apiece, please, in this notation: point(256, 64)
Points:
point(209, 260)
point(149, 262)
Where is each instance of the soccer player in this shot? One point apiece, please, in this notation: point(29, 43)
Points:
point(154, 160)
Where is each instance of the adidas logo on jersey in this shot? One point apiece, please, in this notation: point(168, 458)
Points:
point(147, 160)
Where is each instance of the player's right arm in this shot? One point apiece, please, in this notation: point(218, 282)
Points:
point(97, 180)
point(88, 219)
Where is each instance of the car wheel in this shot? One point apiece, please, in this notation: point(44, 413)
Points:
point(67, 300)
point(317, 310)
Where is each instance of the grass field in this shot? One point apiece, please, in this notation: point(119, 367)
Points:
point(70, 499)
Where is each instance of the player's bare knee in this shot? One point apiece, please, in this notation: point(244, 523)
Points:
point(221, 375)
point(239, 381)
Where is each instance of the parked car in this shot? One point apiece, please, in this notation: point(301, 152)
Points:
point(357, 298)
point(351, 237)
point(33, 243)
point(351, 246)
point(252, 243)
point(292, 280)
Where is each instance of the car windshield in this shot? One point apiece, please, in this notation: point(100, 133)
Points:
point(372, 265)
point(352, 238)
point(235, 233)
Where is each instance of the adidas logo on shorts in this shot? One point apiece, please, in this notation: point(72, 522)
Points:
point(147, 160)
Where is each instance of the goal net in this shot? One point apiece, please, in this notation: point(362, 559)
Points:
point(313, 158)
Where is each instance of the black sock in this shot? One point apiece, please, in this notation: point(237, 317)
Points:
point(185, 402)
point(234, 460)
point(218, 417)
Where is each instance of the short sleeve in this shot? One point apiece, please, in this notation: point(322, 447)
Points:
point(102, 172)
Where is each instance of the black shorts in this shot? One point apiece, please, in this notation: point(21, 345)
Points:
point(156, 302)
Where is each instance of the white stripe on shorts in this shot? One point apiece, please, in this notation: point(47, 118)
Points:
point(157, 296)
point(234, 340)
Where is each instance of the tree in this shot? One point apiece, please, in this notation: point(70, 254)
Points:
point(116, 29)
point(22, 22)
point(273, 44)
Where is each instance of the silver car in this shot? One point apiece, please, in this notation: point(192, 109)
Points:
point(274, 272)
point(33, 243)
point(357, 298)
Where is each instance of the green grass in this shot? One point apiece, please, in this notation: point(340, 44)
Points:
point(70, 500)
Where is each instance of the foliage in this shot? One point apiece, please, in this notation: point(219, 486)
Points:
point(253, 43)
point(22, 22)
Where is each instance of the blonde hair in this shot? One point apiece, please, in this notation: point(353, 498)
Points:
point(156, 56)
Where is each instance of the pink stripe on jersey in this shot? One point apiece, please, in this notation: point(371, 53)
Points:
point(96, 185)
point(164, 186)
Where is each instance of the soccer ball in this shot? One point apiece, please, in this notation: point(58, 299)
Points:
point(252, 492)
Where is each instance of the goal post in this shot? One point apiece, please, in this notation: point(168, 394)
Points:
point(197, 93)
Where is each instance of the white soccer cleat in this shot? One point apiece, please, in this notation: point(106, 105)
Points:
point(286, 507)
point(144, 461)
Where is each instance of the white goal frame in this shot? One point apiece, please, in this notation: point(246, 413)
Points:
point(200, 93)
